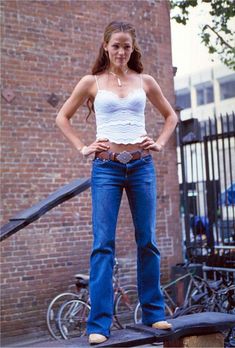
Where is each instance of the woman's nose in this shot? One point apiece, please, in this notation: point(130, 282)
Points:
point(121, 50)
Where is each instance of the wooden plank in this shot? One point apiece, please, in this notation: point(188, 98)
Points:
point(190, 325)
point(29, 215)
point(128, 338)
point(118, 338)
point(193, 325)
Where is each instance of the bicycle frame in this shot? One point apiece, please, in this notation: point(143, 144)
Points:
point(196, 286)
point(168, 285)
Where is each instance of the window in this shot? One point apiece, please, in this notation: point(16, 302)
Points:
point(205, 94)
point(183, 99)
point(227, 89)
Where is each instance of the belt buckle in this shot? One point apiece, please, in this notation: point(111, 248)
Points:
point(124, 157)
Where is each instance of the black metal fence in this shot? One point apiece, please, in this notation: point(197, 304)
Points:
point(207, 185)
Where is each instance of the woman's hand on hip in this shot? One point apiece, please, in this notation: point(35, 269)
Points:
point(149, 144)
point(97, 146)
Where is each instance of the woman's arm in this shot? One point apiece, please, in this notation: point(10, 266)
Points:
point(156, 97)
point(81, 92)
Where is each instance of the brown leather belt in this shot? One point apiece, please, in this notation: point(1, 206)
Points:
point(122, 157)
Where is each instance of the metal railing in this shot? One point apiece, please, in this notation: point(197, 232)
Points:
point(206, 152)
point(26, 217)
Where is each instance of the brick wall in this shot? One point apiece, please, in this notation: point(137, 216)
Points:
point(47, 46)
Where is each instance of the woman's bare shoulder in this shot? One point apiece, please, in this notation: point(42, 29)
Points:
point(149, 83)
point(85, 85)
point(87, 80)
point(148, 79)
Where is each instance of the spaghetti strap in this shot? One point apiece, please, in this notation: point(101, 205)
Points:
point(97, 83)
point(141, 81)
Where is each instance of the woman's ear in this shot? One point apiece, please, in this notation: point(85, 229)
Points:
point(105, 46)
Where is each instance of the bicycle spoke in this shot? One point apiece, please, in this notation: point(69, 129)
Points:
point(52, 312)
point(72, 318)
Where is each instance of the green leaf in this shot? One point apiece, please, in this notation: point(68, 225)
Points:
point(218, 36)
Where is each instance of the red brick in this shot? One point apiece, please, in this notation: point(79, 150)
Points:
point(47, 46)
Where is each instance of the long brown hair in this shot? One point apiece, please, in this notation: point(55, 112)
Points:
point(102, 61)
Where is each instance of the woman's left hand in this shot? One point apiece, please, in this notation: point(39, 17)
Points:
point(149, 144)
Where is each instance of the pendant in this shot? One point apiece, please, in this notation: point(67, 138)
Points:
point(119, 82)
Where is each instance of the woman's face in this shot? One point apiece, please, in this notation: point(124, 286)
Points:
point(119, 49)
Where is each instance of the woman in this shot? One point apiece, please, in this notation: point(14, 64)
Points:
point(122, 159)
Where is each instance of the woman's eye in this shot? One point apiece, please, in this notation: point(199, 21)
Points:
point(117, 47)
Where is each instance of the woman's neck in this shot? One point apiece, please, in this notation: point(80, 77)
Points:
point(118, 71)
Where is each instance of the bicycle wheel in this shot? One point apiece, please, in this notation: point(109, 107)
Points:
point(52, 312)
point(72, 318)
point(124, 306)
point(138, 313)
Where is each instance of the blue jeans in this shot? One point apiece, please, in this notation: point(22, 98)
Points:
point(108, 180)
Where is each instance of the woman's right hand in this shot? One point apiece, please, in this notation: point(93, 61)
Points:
point(98, 146)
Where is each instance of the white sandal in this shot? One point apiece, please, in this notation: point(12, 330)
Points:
point(96, 338)
point(162, 325)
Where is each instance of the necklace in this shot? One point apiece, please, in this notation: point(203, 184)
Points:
point(118, 78)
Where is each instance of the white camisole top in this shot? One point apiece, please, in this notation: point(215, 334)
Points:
point(121, 120)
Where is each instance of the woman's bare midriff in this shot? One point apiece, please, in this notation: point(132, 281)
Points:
point(123, 147)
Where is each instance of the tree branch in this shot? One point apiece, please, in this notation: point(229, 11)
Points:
point(219, 36)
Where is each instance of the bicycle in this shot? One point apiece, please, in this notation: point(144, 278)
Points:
point(196, 291)
point(81, 294)
point(202, 296)
point(221, 298)
point(70, 314)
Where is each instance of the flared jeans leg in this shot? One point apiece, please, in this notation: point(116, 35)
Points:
point(142, 196)
point(108, 180)
point(106, 198)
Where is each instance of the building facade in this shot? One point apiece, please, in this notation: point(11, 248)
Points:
point(206, 164)
point(47, 47)
point(206, 93)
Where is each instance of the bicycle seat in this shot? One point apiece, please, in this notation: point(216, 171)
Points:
point(82, 279)
point(215, 285)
